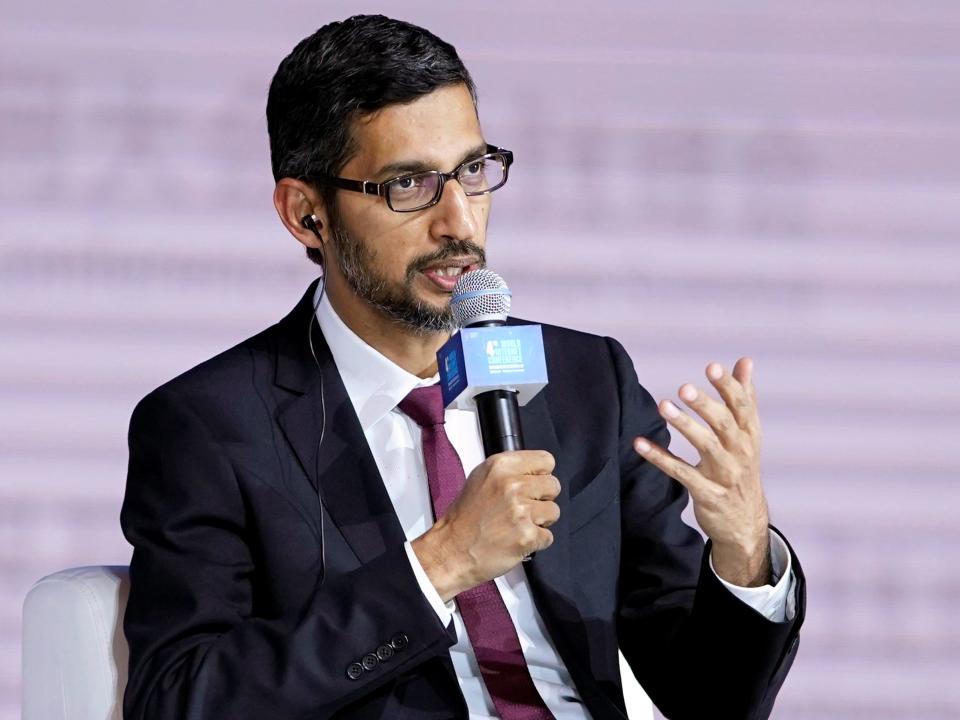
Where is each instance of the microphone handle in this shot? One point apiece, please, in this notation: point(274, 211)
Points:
point(499, 416)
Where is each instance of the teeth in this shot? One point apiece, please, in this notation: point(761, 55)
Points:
point(449, 272)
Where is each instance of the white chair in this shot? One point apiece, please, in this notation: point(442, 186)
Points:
point(75, 654)
point(74, 651)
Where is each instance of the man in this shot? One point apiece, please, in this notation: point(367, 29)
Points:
point(314, 536)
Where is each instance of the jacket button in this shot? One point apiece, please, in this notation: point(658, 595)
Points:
point(354, 670)
point(369, 661)
point(399, 641)
point(384, 652)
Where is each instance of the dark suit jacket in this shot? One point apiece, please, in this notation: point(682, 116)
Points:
point(241, 606)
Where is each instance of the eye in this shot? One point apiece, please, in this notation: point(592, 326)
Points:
point(411, 185)
point(412, 191)
point(473, 175)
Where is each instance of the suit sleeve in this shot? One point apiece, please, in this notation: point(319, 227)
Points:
point(198, 648)
point(696, 649)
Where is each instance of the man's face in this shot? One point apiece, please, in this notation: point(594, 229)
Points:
point(405, 264)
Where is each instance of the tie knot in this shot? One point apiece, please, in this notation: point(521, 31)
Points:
point(424, 405)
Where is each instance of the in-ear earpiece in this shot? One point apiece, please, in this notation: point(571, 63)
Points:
point(310, 222)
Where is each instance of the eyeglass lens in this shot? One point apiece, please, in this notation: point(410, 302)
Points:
point(413, 192)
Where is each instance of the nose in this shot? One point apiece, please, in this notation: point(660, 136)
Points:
point(453, 215)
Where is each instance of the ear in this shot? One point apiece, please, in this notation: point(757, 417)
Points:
point(294, 199)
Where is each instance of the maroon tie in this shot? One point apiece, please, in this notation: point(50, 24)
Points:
point(491, 631)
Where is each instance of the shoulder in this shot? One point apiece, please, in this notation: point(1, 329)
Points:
point(215, 391)
point(251, 365)
point(575, 347)
point(225, 369)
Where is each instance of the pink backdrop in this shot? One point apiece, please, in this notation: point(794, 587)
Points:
point(702, 180)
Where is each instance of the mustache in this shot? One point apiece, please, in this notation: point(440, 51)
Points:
point(452, 249)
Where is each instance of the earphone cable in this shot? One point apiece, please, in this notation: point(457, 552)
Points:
point(323, 425)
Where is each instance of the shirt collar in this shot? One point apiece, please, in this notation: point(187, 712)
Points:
point(374, 383)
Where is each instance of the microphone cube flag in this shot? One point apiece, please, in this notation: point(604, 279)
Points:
point(507, 357)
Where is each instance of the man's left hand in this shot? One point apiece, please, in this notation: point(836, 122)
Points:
point(728, 499)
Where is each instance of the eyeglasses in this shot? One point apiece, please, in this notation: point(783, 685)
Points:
point(418, 191)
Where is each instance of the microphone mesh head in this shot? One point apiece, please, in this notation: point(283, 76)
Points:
point(480, 296)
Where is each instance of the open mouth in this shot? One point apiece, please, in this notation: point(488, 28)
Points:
point(445, 275)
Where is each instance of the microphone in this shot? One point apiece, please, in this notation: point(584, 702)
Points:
point(489, 365)
point(481, 299)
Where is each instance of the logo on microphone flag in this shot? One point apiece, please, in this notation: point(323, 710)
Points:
point(504, 356)
point(475, 360)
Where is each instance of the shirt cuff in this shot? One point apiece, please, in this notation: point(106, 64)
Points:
point(775, 602)
point(443, 610)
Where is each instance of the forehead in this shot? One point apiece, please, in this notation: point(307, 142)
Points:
point(435, 129)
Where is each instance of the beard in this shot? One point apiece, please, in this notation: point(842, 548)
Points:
point(357, 264)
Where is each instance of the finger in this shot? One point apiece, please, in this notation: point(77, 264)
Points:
point(675, 467)
point(704, 439)
point(715, 413)
point(541, 461)
point(739, 399)
point(743, 372)
point(544, 539)
point(742, 368)
point(542, 487)
point(523, 462)
point(545, 513)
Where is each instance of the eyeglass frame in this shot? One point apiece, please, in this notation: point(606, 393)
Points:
point(368, 187)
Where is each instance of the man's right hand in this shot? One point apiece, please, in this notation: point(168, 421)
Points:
point(500, 517)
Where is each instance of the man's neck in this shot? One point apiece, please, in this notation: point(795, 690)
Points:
point(414, 352)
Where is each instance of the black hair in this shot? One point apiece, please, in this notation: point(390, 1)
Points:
point(345, 70)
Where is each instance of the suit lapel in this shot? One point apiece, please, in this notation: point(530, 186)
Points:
point(342, 470)
point(548, 572)
point(547, 567)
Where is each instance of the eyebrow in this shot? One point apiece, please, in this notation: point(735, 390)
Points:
point(402, 167)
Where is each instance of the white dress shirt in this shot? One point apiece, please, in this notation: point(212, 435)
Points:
point(375, 386)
